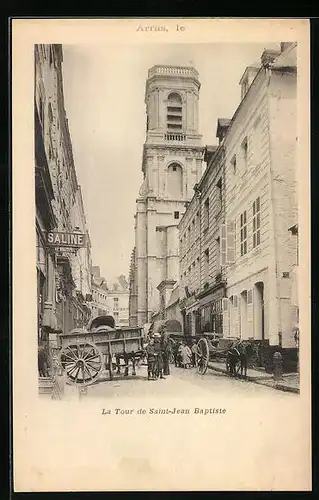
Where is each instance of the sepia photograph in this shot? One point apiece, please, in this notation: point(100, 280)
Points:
point(161, 197)
point(198, 271)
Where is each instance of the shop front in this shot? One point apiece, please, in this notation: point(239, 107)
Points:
point(211, 310)
point(190, 315)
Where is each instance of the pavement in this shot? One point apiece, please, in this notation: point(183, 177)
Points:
point(179, 382)
point(288, 383)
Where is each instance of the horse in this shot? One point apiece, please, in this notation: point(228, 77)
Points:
point(232, 359)
point(134, 357)
point(237, 358)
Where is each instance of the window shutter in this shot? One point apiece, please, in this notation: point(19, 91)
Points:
point(230, 242)
point(223, 247)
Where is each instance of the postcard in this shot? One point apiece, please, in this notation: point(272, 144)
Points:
point(161, 264)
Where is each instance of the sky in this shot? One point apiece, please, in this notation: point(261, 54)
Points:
point(104, 88)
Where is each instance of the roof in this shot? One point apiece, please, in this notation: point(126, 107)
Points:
point(252, 67)
point(174, 297)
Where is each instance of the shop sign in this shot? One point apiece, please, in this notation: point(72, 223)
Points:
point(62, 239)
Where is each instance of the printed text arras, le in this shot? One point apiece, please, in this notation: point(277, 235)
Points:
point(160, 28)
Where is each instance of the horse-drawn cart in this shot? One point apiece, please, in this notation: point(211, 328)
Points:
point(86, 352)
point(210, 350)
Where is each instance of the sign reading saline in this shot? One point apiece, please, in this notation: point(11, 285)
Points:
point(57, 239)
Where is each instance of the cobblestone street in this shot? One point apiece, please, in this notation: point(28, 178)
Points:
point(179, 383)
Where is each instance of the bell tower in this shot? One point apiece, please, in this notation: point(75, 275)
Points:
point(171, 166)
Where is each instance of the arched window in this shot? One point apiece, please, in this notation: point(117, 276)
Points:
point(174, 113)
point(175, 181)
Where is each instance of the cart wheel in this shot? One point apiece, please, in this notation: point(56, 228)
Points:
point(82, 362)
point(202, 356)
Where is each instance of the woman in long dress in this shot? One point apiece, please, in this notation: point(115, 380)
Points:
point(186, 356)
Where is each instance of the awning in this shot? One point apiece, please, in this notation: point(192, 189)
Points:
point(170, 325)
point(101, 320)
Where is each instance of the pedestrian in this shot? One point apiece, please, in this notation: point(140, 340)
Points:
point(166, 351)
point(186, 356)
point(194, 350)
point(180, 355)
point(159, 354)
point(151, 359)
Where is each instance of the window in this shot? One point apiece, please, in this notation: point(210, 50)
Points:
point(206, 214)
point(234, 164)
point(244, 147)
point(176, 215)
point(174, 113)
point(243, 233)
point(256, 222)
point(219, 195)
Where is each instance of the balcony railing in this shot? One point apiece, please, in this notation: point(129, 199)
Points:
point(175, 137)
point(173, 70)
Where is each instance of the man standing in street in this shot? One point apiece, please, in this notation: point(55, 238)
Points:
point(165, 345)
point(150, 350)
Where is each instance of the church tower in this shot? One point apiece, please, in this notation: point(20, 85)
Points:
point(172, 165)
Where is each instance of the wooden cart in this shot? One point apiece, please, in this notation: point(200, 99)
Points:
point(209, 350)
point(86, 352)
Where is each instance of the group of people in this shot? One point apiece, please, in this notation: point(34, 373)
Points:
point(158, 353)
point(161, 349)
point(184, 356)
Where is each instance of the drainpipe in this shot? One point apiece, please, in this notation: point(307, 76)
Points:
point(272, 219)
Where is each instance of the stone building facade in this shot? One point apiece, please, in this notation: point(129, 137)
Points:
point(172, 165)
point(243, 243)
point(118, 301)
point(99, 305)
point(202, 278)
point(64, 285)
point(261, 202)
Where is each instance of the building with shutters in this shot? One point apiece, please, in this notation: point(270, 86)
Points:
point(237, 257)
point(172, 165)
point(202, 279)
point(118, 301)
point(99, 305)
point(261, 203)
point(64, 281)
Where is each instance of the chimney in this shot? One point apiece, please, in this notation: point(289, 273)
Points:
point(284, 46)
point(222, 126)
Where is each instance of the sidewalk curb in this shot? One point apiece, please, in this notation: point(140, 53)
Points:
point(260, 381)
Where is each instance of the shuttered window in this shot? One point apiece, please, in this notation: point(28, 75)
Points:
point(230, 242)
point(243, 233)
point(256, 222)
point(223, 246)
point(227, 243)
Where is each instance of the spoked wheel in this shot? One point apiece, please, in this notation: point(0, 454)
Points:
point(82, 362)
point(202, 356)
